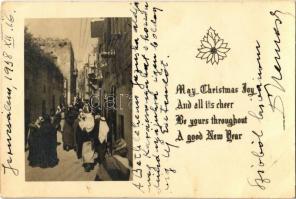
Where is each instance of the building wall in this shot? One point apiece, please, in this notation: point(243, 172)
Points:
point(117, 77)
point(124, 115)
point(63, 51)
point(43, 90)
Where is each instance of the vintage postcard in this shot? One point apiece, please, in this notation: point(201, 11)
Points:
point(192, 99)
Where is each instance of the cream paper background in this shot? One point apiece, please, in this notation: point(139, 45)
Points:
point(204, 169)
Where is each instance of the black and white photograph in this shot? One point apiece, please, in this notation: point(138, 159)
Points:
point(147, 99)
point(78, 99)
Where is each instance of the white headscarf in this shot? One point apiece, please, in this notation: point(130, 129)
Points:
point(86, 122)
point(103, 131)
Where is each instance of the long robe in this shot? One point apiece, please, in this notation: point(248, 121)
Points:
point(49, 145)
point(84, 143)
point(62, 121)
point(77, 138)
point(34, 142)
point(100, 147)
point(82, 137)
point(68, 134)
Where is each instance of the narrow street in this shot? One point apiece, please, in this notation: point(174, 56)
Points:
point(68, 169)
point(77, 70)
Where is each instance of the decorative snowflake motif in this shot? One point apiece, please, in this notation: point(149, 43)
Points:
point(213, 48)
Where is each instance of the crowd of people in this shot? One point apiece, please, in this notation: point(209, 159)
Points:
point(86, 132)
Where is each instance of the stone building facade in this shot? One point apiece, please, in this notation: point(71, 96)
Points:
point(43, 81)
point(114, 58)
point(62, 51)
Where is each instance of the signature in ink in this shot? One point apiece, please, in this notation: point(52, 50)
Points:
point(260, 179)
point(259, 114)
point(275, 100)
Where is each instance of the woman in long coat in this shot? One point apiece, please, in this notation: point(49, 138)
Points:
point(49, 144)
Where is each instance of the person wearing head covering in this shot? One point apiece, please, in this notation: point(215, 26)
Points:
point(52, 115)
point(62, 121)
point(85, 133)
point(68, 133)
point(57, 118)
point(116, 167)
point(34, 142)
point(77, 135)
point(48, 144)
point(100, 141)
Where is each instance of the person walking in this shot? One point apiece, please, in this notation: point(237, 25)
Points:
point(100, 141)
point(68, 133)
point(85, 130)
point(34, 142)
point(78, 135)
point(48, 150)
point(61, 112)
